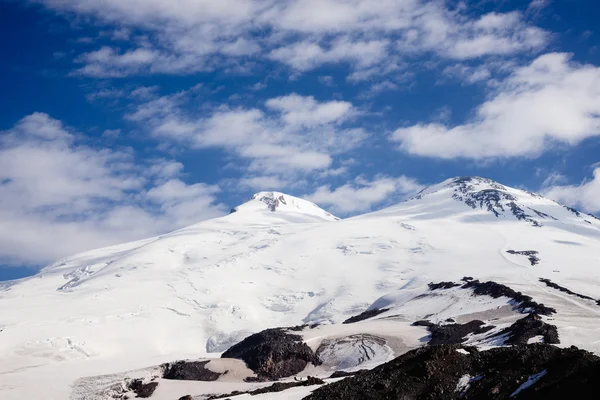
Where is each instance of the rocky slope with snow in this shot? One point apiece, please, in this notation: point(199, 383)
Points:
point(280, 261)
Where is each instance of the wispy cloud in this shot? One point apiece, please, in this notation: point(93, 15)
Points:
point(370, 36)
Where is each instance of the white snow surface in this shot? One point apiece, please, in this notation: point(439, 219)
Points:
point(282, 261)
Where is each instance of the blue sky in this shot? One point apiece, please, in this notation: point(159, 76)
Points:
point(124, 119)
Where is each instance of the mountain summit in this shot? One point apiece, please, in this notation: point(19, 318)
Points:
point(283, 206)
point(482, 199)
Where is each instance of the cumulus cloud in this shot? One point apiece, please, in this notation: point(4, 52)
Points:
point(526, 115)
point(585, 195)
point(59, 196)
point(289, 135)
point(362, 194)
point(187, 36)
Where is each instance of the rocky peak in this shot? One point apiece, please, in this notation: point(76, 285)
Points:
point(501, 201)
point(272, 199)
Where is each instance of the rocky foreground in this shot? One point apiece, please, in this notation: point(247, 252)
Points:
point(446, 372)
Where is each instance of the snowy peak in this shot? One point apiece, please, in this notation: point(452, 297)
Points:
point(465, 185)
point(282, 206)
point(502, 201)
point(274, 200)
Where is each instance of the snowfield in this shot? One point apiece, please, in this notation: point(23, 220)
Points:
point(279, 261)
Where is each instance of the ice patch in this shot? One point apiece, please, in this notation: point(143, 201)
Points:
point(222, 341)
point(536, 339)
point(353, 351)
point(465, 382)
point(530, 381)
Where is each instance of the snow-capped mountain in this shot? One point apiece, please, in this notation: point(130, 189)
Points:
point(278, 260)
point(280, 206)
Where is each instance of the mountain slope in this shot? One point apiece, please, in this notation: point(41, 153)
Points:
point(281, 261)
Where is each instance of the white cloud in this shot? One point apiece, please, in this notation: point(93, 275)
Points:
point(59, 196)
point(291, 134)
point(585, 196)
point(378, 88)
point(144, 92)
point(454, 36)
point(187, 36)
point(306, 111)
point(361, 195)
point(468, 74)
point(526, 116)
point(537, 5)
point(554, 179)
point(308, 55)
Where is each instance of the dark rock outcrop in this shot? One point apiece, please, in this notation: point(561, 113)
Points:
point(343, 374)
point(553, 285)
point(530, 254)
point(141, 389)
point(189, 371)
point(442, 285)
point(453, 333)
point(186, 397)
point(365, 315)
point(273, 353)
point(524, 303)
point(530, 326)
point(495, 290)
point(451, 372)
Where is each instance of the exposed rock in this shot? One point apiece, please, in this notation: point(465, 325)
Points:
point(551, 284)
point(190, 371)
point(141, 389)
point(449, 372)
point(522, 215)
point(186, 397)
point(530, 254)
point(256, 379)
point(276, 387)
point(272, 201)
point(530, 326)
point(426, 371)
point(442, 285)
point(343, 374)
point(495, 199)
point(495, 290)
point(365, 315)
point(453, 333)
point(574, 211)
point(300, 328)
point(273, 353)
